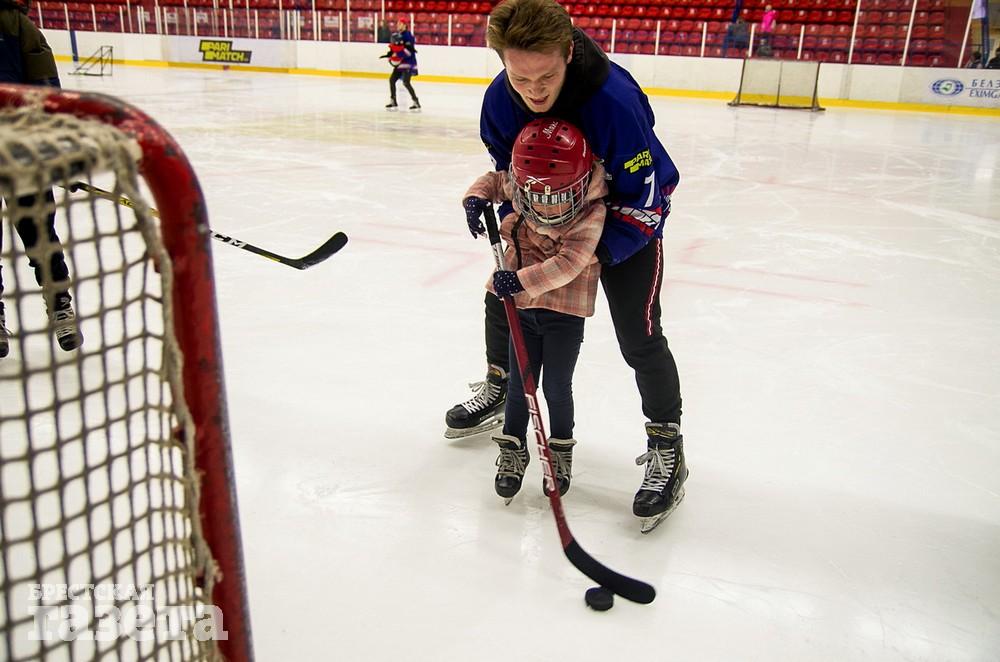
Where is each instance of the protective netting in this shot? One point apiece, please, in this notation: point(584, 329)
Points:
point(779, 84)
point(101, 552)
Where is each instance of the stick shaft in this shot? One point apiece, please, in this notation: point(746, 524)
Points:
point(331, 246)
point(627, 587)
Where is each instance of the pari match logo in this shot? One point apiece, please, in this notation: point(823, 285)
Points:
point(947, 87)
point(219, 50)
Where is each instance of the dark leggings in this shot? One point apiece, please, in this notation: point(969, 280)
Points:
point(553, 343)
point(28, 231)
point(632, 289)
point(403, 74)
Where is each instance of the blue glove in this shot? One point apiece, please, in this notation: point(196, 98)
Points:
point(474, 208)
point(506, 283)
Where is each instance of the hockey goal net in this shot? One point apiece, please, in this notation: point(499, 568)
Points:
point(119, 536)
point(778, 84)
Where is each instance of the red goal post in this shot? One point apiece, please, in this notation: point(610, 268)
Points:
point(115, 461)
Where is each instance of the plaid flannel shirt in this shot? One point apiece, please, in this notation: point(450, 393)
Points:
point(558, 268)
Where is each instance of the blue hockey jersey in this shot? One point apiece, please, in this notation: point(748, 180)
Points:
point(606, 103)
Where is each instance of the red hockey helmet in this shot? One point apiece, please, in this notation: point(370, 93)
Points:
point(550, 167)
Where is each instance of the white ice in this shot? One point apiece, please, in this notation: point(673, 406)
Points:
point(832, 297)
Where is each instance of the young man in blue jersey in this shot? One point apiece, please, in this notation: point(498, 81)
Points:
point(403, 58)
point(554, 69)
point(25, 57)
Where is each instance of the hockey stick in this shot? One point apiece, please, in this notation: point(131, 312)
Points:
point(329, 247)
point(628, 588)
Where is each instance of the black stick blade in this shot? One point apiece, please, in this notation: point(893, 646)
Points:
point(628, 588)
point(329, 247)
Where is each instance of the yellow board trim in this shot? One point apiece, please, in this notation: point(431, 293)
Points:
point(653, 91)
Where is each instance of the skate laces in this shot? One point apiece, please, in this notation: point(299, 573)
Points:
point(512, 461)
point(659, 468)
point(562, 458)
point(486, 393)
point(63, 322)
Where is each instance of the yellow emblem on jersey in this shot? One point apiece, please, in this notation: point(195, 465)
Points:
point(640, 160)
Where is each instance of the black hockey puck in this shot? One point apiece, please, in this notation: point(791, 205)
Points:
point(599, 598)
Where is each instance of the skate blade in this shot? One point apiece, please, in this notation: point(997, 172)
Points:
point(647, 524)
point(488, 425)
point(507, 500)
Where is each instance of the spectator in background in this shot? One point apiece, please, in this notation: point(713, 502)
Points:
point(976, 62)
point(25, 57)
point(384, 34)
point(995, 62)
point(737, 36)
point(767, 23)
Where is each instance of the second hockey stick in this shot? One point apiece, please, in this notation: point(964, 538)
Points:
point(329, 247)
point(630, 589)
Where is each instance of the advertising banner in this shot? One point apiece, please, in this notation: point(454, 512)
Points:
point(273, 54)
point(979, 88)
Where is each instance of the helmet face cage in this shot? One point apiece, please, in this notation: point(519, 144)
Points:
point(545, 205)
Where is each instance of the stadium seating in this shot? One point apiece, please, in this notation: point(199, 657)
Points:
point(808, 29)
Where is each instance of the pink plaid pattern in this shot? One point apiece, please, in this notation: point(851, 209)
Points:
point(559, 270)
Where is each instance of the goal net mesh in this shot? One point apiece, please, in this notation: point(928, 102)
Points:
point(102, 554)
point(778, 84)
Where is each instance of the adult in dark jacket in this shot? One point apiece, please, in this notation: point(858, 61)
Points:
point(25, 57)
point(994, 62)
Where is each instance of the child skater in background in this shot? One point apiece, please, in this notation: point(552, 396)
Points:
point(557, 189)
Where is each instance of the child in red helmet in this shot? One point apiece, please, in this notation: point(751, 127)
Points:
point(557, 188)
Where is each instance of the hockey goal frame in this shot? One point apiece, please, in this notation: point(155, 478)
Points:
point(185, 235)
point(777, 99)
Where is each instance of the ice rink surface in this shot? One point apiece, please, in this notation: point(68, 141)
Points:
point(831, 295)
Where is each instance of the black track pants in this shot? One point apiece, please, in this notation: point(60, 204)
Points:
point(632, 289)
point(403, 74)
point(23, 211)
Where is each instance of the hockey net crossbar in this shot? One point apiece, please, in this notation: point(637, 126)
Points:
point(119, 535)
point(778, 84)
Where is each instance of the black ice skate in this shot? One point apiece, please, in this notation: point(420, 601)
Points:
point(63, 323)
point(663, 487)
point(415, 106)
point(511, 463)
point(4, 334)
point(392, 105)
point(483, 411)
point(562, 460)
